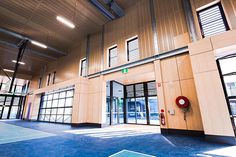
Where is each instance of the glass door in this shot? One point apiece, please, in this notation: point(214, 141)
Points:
point(142, 104)
point(115, 103)
point(227, 69)
point(141, 115)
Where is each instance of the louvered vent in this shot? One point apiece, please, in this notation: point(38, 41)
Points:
point(212, 20)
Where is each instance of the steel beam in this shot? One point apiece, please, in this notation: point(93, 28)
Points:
point(19, 36)
point(32, 51)
point(22, 46)
point(190, 20)
point(102, 9)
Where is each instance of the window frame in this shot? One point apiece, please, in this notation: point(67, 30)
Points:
point(45, 99)
point(54, 77)
point(222, 13)
point(108, 54)
point(48, 79)
point(81, 67)
point(127, 46)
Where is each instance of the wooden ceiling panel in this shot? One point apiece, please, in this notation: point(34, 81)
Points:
point(36, 19)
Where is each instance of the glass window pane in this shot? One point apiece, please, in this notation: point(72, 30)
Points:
point(233, 106)
point(228, 65)
point(54, 103)
point(53, 118)
point(68, 110)
point(8, 101)
point(42, 111)
point(230, 84)
point(54, 111)
point(41, 117)
point(13, 113)
point(5, 112)
point(49, 104)
point(61, 103)
point(60, 111)
point(141, 111)
point(67, 119)
point(16, 101)
point(131, 110)
point(139, 91)
point(48, 111)
point(62, 95)
point(70, 93)
point(59, 118)
point(44, 105)
point(153, 110)
point(46, 118)
point(50, 97)
point(130, 91)
point(56, 96)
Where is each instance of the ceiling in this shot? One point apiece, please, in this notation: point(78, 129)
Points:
point(36, 19)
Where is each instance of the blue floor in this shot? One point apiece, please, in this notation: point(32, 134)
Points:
point(50, 140)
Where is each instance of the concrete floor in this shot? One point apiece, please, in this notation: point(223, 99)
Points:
point(37, 139)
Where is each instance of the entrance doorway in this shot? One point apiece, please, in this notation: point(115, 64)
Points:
point(132, 104)
point(115, 103)
point(11, 107)
point(227, 69)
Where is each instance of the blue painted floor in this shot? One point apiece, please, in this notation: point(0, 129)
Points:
point(56, 140)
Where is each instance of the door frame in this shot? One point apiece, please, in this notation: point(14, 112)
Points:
point(227, 98)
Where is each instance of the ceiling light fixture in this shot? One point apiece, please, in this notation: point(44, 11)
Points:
point(38, 44)
point(8, 70)
point(22, 63)
point(65, 21)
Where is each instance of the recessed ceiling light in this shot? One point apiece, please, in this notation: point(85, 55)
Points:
point(22, 63)
point(8, 70)
point(39, 44)
point(65, 21)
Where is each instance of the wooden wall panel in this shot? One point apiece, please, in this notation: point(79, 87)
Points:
point(176, 78)
point(137, 21)
point(95, 53)
point(213, 105)
point(194, 120)
point(67, 67)
point(171, 25)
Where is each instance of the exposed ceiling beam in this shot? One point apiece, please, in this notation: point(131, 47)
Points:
point(102, 9)
point(19, 36)
point(32, 51)
point(115, 7)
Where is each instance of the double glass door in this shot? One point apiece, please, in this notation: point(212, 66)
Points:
point(141, 104)
point(10, 107)
point(227, 69)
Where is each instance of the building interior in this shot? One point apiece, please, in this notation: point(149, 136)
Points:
point(117, 78)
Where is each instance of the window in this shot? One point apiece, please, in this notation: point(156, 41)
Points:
point(113, 58)
point(48, 79)
point(54, 77)
point(83, 67)
point(40, 82)
point(57, 106)
point(212, 20)
point(133, 49)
